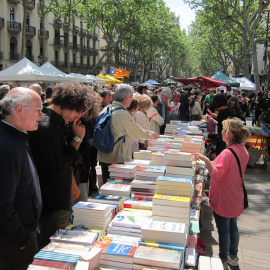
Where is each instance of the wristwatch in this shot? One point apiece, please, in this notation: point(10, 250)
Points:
point(77, 139)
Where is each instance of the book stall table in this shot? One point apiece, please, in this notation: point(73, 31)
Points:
point(151, 209)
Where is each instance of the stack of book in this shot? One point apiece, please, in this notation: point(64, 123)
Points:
point(121, 239)
point(92, 214)
point(116, 255)
point(144, 187)
point(138, 162)
point(109, 199)
point(176, 158)
point(165, 232)
point(171, 208)
point(174, 186)
point(191, 147)
point(180, 172)
point(158, 159)
point(170, 128)
point(143, 154)
point(87, 238)
point(156, 145)
point(149, 173)
point(127, 225)
point(174, 145)
point(44, 264)
point(138, 204)
point(122, 170)
point(115, 189)
point(147, 257)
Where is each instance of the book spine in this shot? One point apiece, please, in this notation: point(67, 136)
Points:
point(161, 245)
point(141, 196)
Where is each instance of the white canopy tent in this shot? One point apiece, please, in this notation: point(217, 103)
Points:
point(245, 83)
point(26, 71)
point(53, 71)
point(81, 78)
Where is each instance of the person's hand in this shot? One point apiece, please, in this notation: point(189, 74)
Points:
point(214, 115)
point(212, 120)
point(75, 191)
point(154, 136)
point(78, 129)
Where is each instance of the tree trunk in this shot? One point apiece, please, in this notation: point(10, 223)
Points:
point(68, 52)
point(255, 62)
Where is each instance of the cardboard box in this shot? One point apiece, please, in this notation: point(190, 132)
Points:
point(254, 155)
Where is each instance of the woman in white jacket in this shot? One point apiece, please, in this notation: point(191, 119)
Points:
point(156, 121)
point(144, 103)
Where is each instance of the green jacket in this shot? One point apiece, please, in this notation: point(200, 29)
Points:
point(123, 124)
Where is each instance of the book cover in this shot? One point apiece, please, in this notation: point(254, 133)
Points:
point(109, 199)
point(130, 221)
point(52, 264)
point(115, 187)
point(75, 237)
point(171, 200)
point(138, 204)
point(91, 206)
point(161, 245)
point(136, 212)
point(126, 168)
point(171, 180)
point(160, 257)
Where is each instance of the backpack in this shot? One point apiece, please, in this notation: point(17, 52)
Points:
point(103, 139)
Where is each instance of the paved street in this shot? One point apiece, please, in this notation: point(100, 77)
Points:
point(254, 224)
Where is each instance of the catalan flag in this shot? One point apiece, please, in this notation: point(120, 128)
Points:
point(125, 72)
point(115, 72)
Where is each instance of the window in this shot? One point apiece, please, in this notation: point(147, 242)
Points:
point(66, 59)
point(40, 24)
point(56, 57)
point(13, 46)
point(88, 61)
point(28, 50)
point(11, 14)
point(27, 19)
point(88, 43)
point(66, 39)
point(75, 42)
point(81, 60)
point(94, 44)
point(94, 60)
point(74, 60)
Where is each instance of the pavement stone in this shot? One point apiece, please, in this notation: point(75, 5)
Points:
point(253, 224)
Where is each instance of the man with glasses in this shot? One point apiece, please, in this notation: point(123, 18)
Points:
point(20, 198)
point(54, 156)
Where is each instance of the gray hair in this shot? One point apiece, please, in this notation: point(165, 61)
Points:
point(3, 90)
point(11, 101)
point(123, 90)
point(166, 91)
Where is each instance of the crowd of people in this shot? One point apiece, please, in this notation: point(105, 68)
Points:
point(48, 158)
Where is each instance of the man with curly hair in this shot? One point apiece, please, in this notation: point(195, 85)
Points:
point(54, 156)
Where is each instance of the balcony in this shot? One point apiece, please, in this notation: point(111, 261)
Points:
point(58, 63)
point(95, 51)
point(40, 34)
point(103, 48)
point(31, 4)
point(58, 42)
point(30, 57)
point(75, 65)
point(108, 62)
point(1, 55)
point(14, 56)
point(30, 31)
point(2, 23)
point(83, 32)
point(75, 47)
point(14, 26)
point(57, 23)
point(75, 29)
point(95, 36)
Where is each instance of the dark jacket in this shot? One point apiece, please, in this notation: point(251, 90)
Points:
point(184, 105)
point(20, 200)
point(54, 159)
point(225, 114)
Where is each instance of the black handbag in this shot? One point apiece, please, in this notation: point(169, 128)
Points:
point(244, 189)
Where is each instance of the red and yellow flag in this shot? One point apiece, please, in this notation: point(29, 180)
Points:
point(115, 72)
point(125, 72)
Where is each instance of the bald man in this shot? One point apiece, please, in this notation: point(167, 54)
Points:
point(20, 198)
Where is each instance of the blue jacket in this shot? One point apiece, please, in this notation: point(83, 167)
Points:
point(20, 199)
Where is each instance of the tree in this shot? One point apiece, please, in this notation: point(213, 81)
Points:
point(242, 20)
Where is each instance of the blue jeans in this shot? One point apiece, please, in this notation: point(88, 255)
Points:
point(228, 235)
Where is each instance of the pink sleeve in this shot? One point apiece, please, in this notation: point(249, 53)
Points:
point(222, 164)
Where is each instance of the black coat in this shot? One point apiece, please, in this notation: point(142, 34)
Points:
point(54, 158)
point(20, 201)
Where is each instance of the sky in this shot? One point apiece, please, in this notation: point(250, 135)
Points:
point(183, 10)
